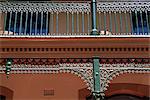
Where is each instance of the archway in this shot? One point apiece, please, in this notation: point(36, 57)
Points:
point(129, 84)
point(5, 93)
point(2, 97)
point(125, 97)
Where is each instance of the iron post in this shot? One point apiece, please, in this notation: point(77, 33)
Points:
point(96, 78)
point(93, 12)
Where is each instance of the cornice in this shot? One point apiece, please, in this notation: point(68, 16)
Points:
point(74, 48)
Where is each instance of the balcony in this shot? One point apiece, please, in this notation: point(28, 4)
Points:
point(53, 18)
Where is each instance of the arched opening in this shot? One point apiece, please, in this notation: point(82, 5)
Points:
point(129, 86)
point(126, 97)
point(2, 97)
point(5, 93)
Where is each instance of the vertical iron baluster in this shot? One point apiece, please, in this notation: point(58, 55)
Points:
point(88, 22)
point(131, 20)
point(83, 22)
point(50, 30)
point(115, 23)
point(5, 19)
point(104, 21)
point(99, 20)
point(147, 22)
point(72, 22)
point(41, 29)
point(110, 21)
point(10, 17)
point(120, 22)
point(148, 13)
point(67, 23)
point(137, 22)
point(14, 30)
point(26, 23)
point(20, 28)
point(142, 22)
point(78, 22)
point(51, 22)
point(47, 22)
point(126, 22)
point(31, 23)
point(36, 22)
point(57, 19)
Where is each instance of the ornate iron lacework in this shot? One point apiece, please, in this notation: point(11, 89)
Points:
point(83, 68)
point(73, 7)
point(110, 71)
point(123, 6)
point(54, 61)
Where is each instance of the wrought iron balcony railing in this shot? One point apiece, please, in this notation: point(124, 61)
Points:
point(24, 18)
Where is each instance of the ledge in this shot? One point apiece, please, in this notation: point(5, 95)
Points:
point(75, 47)
point(76, 36)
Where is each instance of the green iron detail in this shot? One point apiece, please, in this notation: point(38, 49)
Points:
point(93, 12)
point(96, 79)
point(8, 66)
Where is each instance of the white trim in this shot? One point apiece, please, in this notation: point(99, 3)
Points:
point(76, 36)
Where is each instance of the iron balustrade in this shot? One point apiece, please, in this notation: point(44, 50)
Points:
point(45, 18)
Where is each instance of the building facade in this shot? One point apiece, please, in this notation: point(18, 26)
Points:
point(48, 51)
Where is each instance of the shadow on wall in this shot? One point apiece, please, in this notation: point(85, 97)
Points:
point(122, 97)
point(126, 91)
point(126, 97)
point(84, 94)
point(6, 93)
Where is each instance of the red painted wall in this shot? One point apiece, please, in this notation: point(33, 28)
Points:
point(32, 86)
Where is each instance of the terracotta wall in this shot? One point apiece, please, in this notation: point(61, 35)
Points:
point(69, 86)
point(32, 86)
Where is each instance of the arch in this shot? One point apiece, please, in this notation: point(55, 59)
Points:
point(64, 85)
point(82, 74)
point(124, 97)
point(115, 70)
point(2, 97)
point(128, 88)
point(6, 92)
point(82, 70)
point(118, 73)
